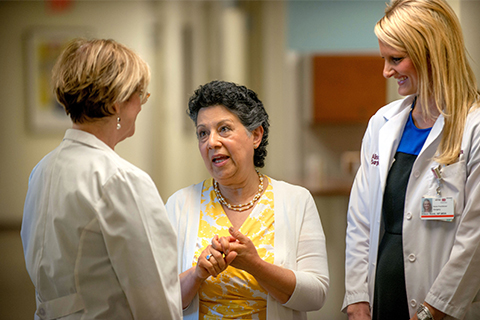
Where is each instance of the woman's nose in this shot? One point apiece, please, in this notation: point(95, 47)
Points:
point(213, 140)
point(388, 70)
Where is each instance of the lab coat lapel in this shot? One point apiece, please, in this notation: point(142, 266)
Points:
point(435, 133)
point(389, 138)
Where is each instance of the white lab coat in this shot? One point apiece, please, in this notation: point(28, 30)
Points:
point(96, 237)
point(441, 259)
point(299, 246)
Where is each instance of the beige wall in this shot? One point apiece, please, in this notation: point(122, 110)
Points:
point(469, 18)
point(21, 149)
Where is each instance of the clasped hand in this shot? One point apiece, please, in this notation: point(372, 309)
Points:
point(236, 250)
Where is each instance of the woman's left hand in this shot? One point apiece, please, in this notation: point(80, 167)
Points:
point(437, 314)
point(211, 261)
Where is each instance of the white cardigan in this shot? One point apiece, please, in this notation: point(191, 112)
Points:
point(299, 246)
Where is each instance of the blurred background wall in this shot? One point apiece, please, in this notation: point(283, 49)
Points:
point(265, 45)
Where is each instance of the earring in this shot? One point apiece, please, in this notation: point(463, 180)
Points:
point(118, 123)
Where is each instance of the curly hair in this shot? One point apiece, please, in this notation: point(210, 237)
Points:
point(239, 100)
point(90, 76)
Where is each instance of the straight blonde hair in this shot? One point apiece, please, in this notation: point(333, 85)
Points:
point(429, 32)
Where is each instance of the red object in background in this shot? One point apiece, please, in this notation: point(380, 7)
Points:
point(58, 6)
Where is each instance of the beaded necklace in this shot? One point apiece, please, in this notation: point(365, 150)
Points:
point(239, 207)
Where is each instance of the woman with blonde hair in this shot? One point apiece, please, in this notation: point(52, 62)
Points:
point(95, 231)
point(403, 263)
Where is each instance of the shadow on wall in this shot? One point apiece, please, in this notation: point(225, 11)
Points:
point(17, 293)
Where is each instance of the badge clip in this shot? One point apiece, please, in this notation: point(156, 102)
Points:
point(438, 175)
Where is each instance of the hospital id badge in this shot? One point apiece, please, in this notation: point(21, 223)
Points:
point(437, 208)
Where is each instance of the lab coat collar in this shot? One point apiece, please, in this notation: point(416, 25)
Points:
point(87, 139)
point(391, 134)
point(406, 103)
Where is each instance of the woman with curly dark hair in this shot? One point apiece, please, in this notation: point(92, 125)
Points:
point(250, 247)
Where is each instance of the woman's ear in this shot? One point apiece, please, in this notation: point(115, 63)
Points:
point(116, 108)
point(257, 136)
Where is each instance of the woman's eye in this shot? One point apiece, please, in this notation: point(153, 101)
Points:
point(396, 60)
point(201, 134)
point(224, 129)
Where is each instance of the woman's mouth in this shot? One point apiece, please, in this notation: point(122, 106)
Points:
point(219, 159)
point(401, 80)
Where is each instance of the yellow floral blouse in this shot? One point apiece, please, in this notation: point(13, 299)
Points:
point(234, 294)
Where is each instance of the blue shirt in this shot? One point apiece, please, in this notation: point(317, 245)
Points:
point(413, 138)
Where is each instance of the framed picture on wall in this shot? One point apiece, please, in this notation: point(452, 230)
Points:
point(42, 48)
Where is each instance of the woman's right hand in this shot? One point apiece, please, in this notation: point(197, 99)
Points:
point(214, 265)
point(192, 279)
point(359, 311)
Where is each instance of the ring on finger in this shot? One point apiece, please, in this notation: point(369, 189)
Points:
point(208, 257)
